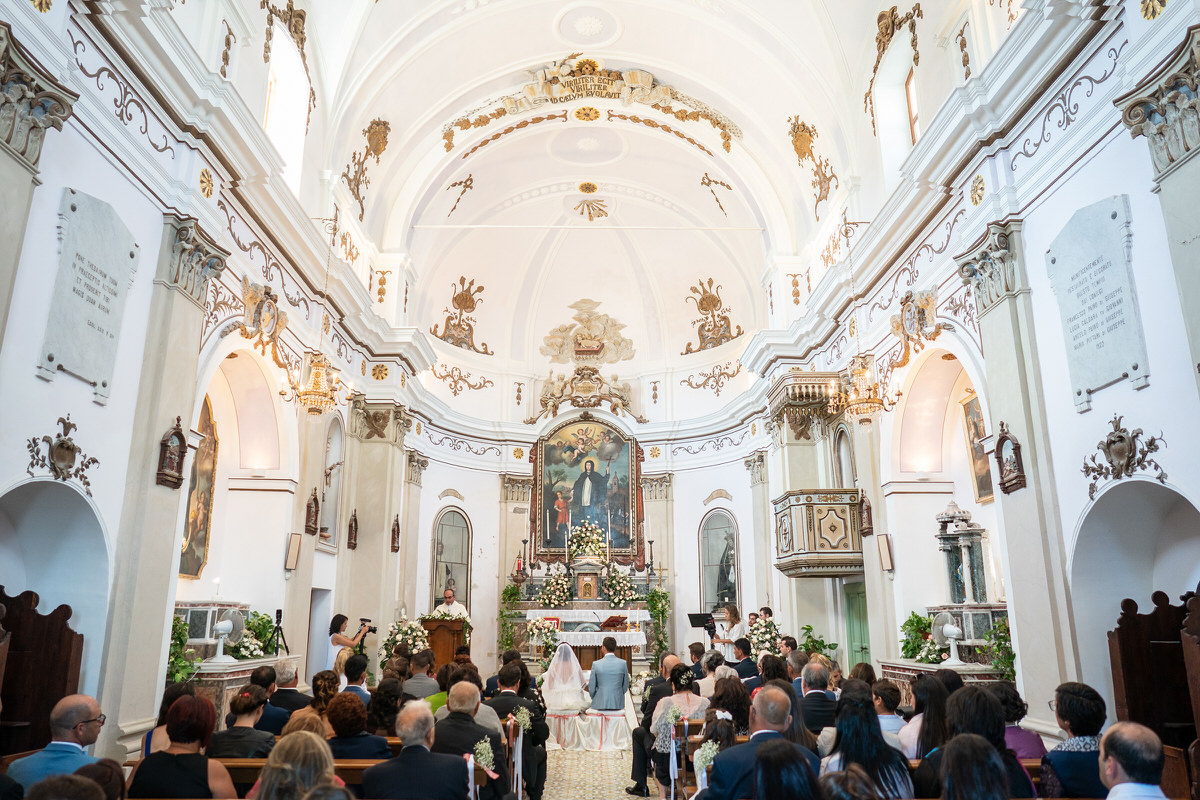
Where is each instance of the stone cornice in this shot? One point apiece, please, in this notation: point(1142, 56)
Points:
point(31, 101)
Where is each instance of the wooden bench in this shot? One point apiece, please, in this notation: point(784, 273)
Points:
point(11, 757)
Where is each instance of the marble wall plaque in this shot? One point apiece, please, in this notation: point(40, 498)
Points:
point(1090, 266)
point(97, 259)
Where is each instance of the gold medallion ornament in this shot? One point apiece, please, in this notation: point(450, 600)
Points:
point(595, 209)
point(587, 114)
point(978, 187)
point(655, 451)
point(1150, 8)
point(379, 372)
point(44, 6)
point(363, 367)
point(518, 453)
point(206, 177)
point(587, 187)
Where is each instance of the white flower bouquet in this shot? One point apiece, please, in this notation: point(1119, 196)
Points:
point(404, 631)
point(764, 636)
point(556, 591)
point(705, 755)
point(441, 613)
point(587, 540)
point(619, 589)
point(542, 633)
point(484, 756)
point(247, 647)
point(523, 719)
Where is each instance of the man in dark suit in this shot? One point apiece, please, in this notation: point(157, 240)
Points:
point(506, 702)
point(287, 696)
point(744, 665)
point(755, 680)
point(819, 709)
point(356, 677)
point(416, 772)
point(696, 651)
point(795, 665)
point(490, 686)
point(656, 689)
point(458, 734)
point(733, 769)
point(273, 717)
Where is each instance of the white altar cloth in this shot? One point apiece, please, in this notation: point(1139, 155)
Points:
point(596, 638)
point(588, 615)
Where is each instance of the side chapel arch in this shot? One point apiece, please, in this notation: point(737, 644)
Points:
point(451, 562)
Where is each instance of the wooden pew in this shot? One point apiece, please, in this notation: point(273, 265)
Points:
point(350, 770)
point(11, 757)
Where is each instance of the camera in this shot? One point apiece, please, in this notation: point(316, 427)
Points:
point(365, 622)
point(710, 627)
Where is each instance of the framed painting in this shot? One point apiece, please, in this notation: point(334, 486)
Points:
point(201, 487)
point(585, 469)
point(981, 471)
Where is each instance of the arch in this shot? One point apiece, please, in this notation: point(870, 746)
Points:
point(1136, 537)
point(335, 454)
point(451, 561)
point(718, 538)
point(845, 470)
point(53, 542)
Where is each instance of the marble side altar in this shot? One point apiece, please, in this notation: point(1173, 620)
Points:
point(218, 681)
point(903, 670)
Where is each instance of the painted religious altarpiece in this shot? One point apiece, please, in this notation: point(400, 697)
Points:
point(200, 498)
point(586, 469)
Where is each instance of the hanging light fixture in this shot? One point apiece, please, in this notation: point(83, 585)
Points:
point(319, 395)
point(858, 394)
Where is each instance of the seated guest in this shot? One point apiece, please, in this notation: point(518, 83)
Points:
point(1131, 762)
point(182, 770)
point(66, 787)
point(796, 732)
point(819, 708)
point(829, 735)
point(299, 762)
point(458, 734)
point(1069, 769)
point(1023, 743)
point(421, 684)
point(339, 665)
point(356, 678)
point(730, 695)
point(734, 770)
point(719, 728)
point(307, 722)
point(384, 705)
point(396, 668)
point(887, 700)
point(781, 771)
point(438, 699)
point(273, 717)
point(643, 740)
point(860, 741)
point(462, 655)
point(711, 660)
point(108, 774)
point(325, 688)
point(927, 728)
point(972, 770)
point(486, 715)
point(787, 646)
point(329, 791)
point(834, 689)
point(243, 740)
point(973, 709)
point(742, 663)
point(75, 723)
point(770, 668)
point(950, 679)
point(690, 706)
point(696, 651)
point(286, 695)
point(862, 671)
point(416, 772)
point(156, 738)
point(795, 666)
point(506, 702)
point(852, 783)
point(348, 717)
point(490, 686)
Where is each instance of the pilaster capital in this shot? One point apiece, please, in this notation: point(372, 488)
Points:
point(416, 467)
point(388, 422)
point(517, 488)
point(756, 464)
point(31, 100)
point(992, 266)
point(1164, 106)
point(657, 487)
point(195, 258)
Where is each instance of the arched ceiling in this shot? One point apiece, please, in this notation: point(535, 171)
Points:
point(672, 204)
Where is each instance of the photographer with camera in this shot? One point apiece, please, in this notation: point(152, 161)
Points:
point(338, 638)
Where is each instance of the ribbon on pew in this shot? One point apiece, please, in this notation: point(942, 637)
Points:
point(472, 789)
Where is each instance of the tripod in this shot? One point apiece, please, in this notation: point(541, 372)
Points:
point(277, 638)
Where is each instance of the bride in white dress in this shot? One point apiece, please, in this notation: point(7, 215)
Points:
point(565, 689)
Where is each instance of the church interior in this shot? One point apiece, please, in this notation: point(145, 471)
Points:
point(603, 316)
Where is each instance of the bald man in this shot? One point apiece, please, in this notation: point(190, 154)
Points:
point(75, 723)
point(1131, 762)
point(415, 772)
point(458, 734)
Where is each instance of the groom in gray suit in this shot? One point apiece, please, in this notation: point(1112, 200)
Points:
point(609, 680)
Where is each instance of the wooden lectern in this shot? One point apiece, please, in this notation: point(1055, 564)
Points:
point(445, 636)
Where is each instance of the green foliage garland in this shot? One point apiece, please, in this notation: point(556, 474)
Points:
point(260, 625)
point(506, 635)
point(181, 659)
point(658, 603)
point(915, 629)
point(1000, 651)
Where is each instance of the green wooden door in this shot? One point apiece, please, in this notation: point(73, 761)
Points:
point(858, 638)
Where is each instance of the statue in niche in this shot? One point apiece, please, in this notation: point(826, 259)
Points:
point(727, 573)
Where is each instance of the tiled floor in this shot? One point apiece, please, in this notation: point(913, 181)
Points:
point(581, 775)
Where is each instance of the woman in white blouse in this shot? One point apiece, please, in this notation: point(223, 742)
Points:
point(729, 632)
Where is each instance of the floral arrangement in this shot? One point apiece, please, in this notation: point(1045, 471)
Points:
point(705, 755)
point(541, 632)
point(247, 647)
point(674, 714)
point(522, 718)
point(403, 631)
point(484, 756)
point(441, 613)
point(931, 653)
point(260, 625)
point(764, 636)
point(556, 591)
point(619, 589)
point(587, 539)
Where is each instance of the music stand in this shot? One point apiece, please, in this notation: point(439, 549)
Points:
point(699, 620)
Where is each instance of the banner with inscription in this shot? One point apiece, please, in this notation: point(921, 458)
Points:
point(97, 259)
point(1090, 266)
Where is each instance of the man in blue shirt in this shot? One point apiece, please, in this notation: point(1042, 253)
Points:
point(75, 723)
point(356, 673)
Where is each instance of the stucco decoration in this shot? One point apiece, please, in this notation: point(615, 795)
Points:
point(592, 337)
point(264, 320)
point(991, 266)
point(31, 100)
point(1165, 107)
point(63, 459)
point(914, 325)
point(585, 388)
point(1125, 452)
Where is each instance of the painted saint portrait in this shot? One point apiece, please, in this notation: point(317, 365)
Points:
point(981, 472)
point(200, 498)
point(585, 474)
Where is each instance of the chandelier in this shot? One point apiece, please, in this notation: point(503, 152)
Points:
point(859, 394)
point(319, 395)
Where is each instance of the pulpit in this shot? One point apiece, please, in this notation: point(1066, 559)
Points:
point(445, 636)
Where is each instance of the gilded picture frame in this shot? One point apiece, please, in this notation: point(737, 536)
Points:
point(975, 432)
point(197, 526)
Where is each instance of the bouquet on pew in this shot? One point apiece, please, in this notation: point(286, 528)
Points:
point(404, 631)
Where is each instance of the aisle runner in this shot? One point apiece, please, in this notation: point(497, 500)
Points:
point(579, 775)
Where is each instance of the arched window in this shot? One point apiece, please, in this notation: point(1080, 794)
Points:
point(331, 489)
point(286, 118)
point(451, 556)
point(718, 560)
point(843, 459)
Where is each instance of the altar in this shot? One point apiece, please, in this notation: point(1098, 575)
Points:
point(579, 627)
